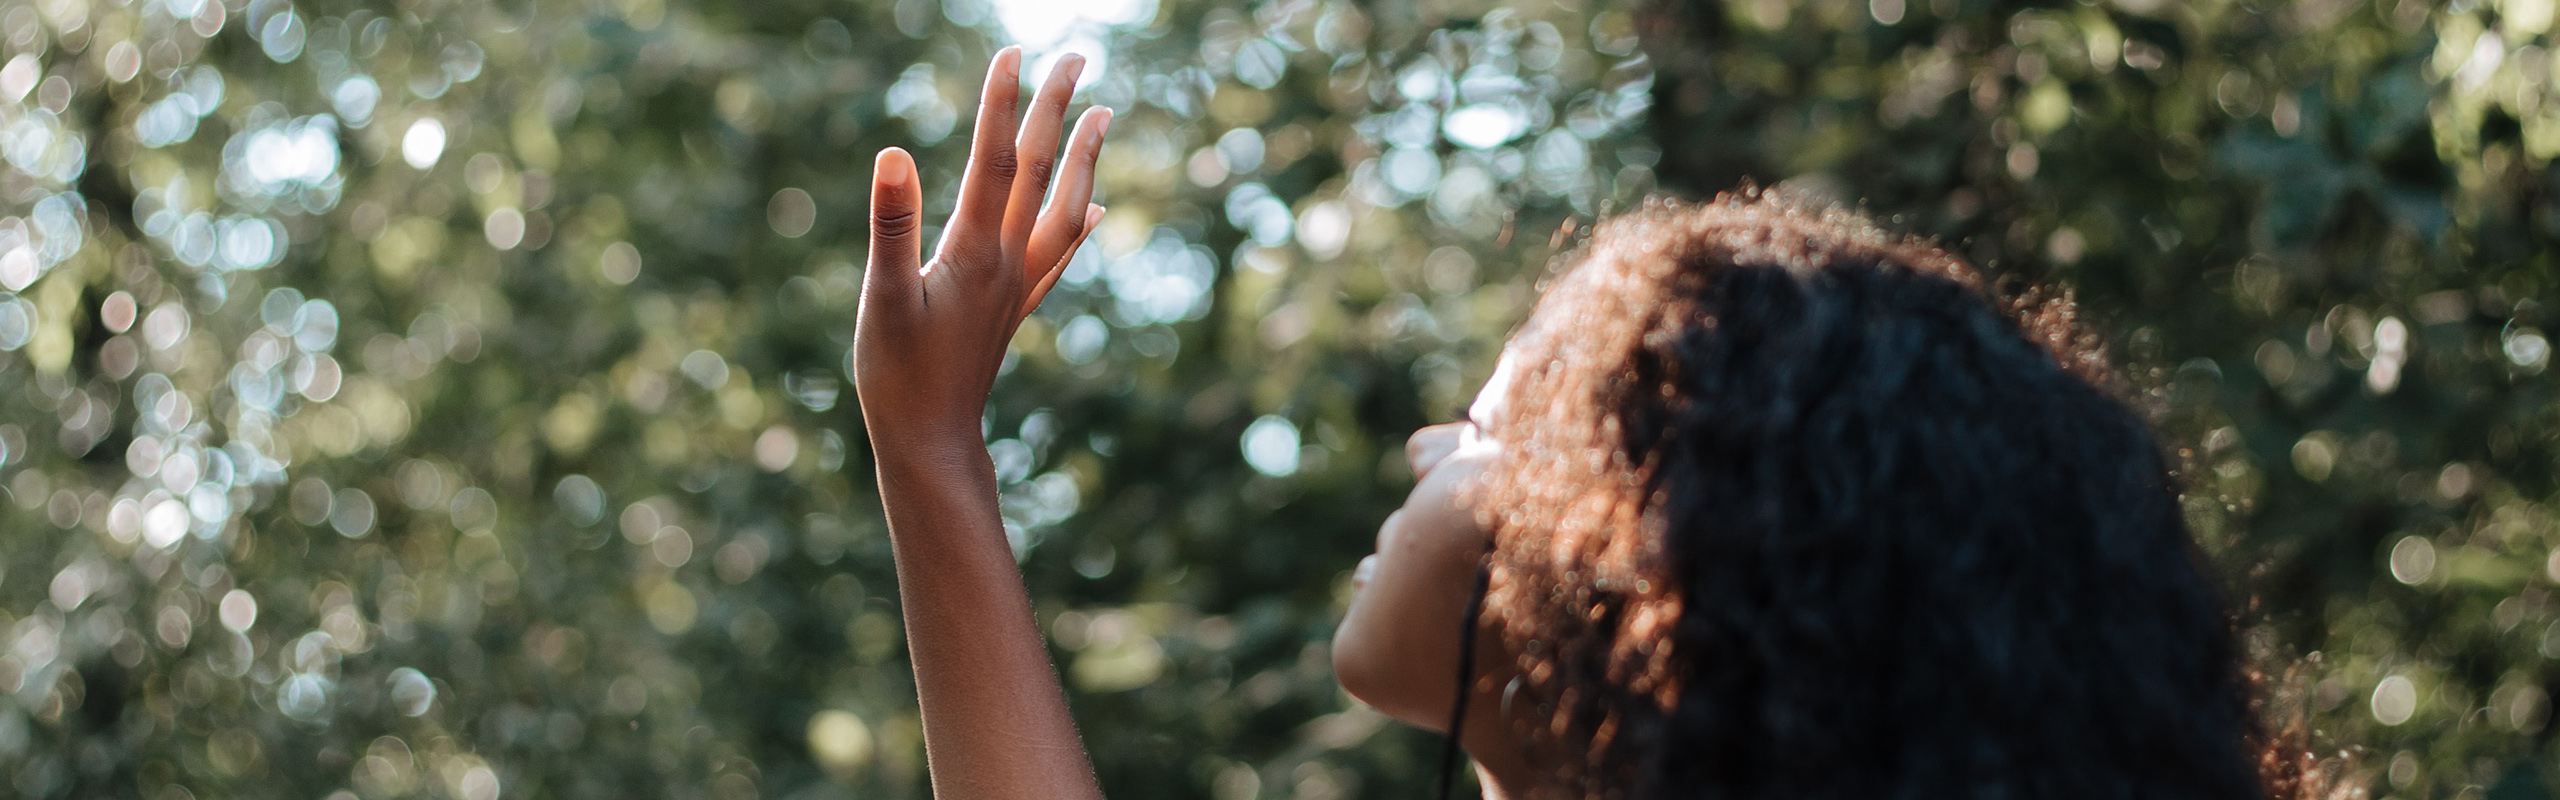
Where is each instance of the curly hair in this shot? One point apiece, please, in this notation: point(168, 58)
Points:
point(1793, 507)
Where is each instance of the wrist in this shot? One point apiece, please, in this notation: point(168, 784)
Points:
point(939, 456)
point(901, 433)
point(939, 496)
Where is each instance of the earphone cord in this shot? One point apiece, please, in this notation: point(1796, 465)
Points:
point(1466, 675)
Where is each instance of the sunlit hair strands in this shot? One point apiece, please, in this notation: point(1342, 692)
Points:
point(1794, 507)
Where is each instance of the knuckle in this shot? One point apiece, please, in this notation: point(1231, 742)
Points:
point(1066, 229)
point(1002, 164)
point(1068, 221)
point(1040, 170)
point(969, 253)
point(894, 222)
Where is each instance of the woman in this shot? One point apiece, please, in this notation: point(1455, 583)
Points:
point(1764, 502)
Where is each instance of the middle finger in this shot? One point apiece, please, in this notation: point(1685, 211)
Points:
point(1038, 150)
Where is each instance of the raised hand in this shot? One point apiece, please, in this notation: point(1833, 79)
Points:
point(926, 348)
point(931, 334)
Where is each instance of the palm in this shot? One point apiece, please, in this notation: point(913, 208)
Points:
point(930, 334)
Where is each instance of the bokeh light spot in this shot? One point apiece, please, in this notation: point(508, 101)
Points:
point(239, 611)
point(791, 212)
point(1271, 446)
point(423, 144)
point(2395, 700)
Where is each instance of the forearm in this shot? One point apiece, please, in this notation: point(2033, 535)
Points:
point(926, 345)
point(995, 721)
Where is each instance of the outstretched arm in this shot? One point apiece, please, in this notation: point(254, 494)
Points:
point(926, 347)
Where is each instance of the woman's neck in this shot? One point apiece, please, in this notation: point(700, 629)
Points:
point(1502, 762)
point(1504, 784)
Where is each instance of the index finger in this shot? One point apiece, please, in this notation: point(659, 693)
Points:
point(984, 189)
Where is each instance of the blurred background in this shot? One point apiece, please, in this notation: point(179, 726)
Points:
point(447, 400)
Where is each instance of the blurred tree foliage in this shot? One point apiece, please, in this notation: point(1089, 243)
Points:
point(441, 399)
point(446, 399)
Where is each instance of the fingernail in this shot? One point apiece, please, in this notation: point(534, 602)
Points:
point(1011, 58)
point(893, 168)
point(1102, 126)
point(1073, 64)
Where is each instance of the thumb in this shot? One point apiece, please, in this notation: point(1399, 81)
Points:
point(897, 217)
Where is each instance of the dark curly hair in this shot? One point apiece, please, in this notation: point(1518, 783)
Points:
point(1793, 507)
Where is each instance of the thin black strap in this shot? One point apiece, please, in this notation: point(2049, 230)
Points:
point(1466, 676)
